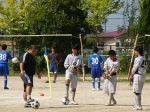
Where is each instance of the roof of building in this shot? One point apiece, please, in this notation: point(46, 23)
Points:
point(113, 34)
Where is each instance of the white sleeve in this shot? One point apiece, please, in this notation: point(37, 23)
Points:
point(116, 67)
point(106, 64)
point(66, 63)
point(135, 66)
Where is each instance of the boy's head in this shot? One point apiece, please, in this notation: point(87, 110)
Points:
point(112, 55)
point(95, 49)
point(138, 50)
point(4, 47)
point(53, 49)
point(75, 49)
point(32, 49)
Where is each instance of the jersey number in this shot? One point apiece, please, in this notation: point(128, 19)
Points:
point(3, 56)
point(143, 64)
point(94, 61)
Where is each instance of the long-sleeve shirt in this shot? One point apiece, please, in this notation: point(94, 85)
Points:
point(73, 61)
point(111, 65)
point(139, 66)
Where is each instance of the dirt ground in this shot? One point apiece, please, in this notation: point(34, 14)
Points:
point(89, 101)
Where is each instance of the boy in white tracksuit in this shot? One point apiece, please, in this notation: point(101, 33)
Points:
point(73, 62)
point(138, 76)
point(111, 67)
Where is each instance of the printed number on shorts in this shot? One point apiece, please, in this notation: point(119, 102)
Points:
point(3, 56)
point(143, 64)
point(94, 61)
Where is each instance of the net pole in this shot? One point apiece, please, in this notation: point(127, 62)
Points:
point(83, 69)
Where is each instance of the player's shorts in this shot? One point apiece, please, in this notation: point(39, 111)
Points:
point(53, 68)
point(4, 69)
point(110, 85)
point(138, 83)
point(96, 72)
point(28, 81)
point(73, 78)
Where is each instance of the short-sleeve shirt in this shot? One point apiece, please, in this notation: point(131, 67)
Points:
point(95, 60)
point(54, 58)
point(29, 63)
point(4, 57)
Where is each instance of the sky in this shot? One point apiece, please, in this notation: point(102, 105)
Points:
point(115, 20)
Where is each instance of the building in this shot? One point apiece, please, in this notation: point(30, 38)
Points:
point(110, 40)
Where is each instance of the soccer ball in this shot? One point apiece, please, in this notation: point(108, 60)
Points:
point(15, 60)
point(65, 101)
point(35, 104)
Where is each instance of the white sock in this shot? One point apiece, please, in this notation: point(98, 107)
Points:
point(25, 102)
point(28, 97)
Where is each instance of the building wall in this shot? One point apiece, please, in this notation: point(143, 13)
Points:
point(110, 42)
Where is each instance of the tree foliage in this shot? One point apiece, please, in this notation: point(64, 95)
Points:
point(43, 17)
point(144, 21)
point(98, 10)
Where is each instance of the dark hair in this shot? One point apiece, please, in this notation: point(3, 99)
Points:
point(32, 47)
point(53, 47)
point(139, 49)
point(111, 52)
point(95, 49)
point(75, 46)
point(4, 47)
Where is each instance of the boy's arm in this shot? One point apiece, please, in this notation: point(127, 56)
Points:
point(106, 67)
point(135, 66)
point(66, 63)
point(114, 68)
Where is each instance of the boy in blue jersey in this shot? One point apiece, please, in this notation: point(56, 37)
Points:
point(94, 61)
point(4, 57)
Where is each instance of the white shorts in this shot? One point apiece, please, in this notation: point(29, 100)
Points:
point(110, 85)
point(138, 83)
point(73, 78)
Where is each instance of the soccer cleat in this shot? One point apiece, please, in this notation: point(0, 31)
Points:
point(93, 89)
point(108, 104)
point(66, 96)
point(135, 107)
point(114, 102)
point(6, 88)
point(47, 81)
point(99, 89)
point(54, 81)
point(31, 100)
point(73, 103)
point(27, 105)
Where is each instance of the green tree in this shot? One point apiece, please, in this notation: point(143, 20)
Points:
point(98, 10)
point(143, 21)
point(44, 17)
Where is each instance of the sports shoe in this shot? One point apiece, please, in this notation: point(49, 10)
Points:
point(27, 105)
point(6, 88)
point(31, 100)
point(93, 89)
point(108, 104)
point(66, 96)
point(135, 107)
point(47, 81)
point(99, 89)
point(73, 103)
point(114, 102)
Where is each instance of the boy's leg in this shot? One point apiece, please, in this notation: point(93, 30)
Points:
point(99, 84)
point(74, 86)
point(67, 88)
point(5, 72)
point(5, 82)
point(55, 72)
point(93, 84)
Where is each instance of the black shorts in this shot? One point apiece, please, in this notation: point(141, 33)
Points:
point(28, 81)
